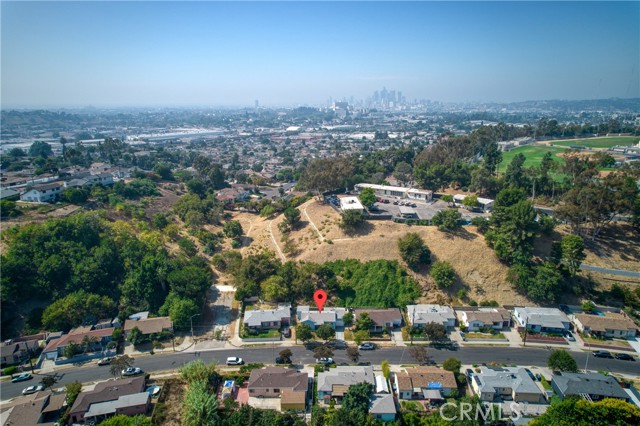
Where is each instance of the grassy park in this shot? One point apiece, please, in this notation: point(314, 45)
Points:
point(533, 154)
point(599, 142)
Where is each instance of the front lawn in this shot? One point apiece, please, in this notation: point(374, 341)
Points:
point(484, 336)
point(607, 342)
point(411, 406)
point(261, 335)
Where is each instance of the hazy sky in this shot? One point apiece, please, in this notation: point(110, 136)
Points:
point(285, 53)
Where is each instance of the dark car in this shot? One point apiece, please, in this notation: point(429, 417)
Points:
point(21, 378)
point(395, 203)
point(281, 360)
point(386, 201)
point(625, 357)
point(286, 332)
point(530, 374)
point(337, 344)
point(602, 354)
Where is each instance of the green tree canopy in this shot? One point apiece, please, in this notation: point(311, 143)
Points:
point(368, 197)
point(561, 360)
point(414, 251)
point(443, 274)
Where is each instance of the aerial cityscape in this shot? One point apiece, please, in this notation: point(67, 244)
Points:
point(319, 213)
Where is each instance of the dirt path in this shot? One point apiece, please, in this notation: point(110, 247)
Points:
point(322, 238)
point(275, 243)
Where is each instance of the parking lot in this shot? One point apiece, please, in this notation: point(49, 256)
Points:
point(423, 211)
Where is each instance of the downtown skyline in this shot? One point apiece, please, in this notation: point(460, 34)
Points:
point(67, 54)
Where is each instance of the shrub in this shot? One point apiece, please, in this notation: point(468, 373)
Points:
point(443, 274)
point(10, 370)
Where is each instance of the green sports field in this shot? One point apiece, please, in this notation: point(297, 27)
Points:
point(599, 142)
point(532, 153)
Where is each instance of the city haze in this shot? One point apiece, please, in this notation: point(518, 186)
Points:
point(64, 54)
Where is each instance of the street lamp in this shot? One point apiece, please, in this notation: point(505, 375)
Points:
point(191, 321)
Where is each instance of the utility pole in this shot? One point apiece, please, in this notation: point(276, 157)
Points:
point(526, 327)
point(191, 320)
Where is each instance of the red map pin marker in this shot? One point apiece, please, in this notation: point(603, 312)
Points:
point(320, 296)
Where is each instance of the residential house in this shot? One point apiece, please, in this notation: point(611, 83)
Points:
point(99, 338)
point(43, 193)
point(42, 408)
point(12, 352)
point(287, 384)
point(483, 318)
point(9, 194)
point(590, 386)
point(335, 383)
point(89, 180)
point(110, 390)
point(268, 319)
point(232, 195)
point(382, 318)
point(314, 319)
point(127, 405)
point(419, 315)
point(542, 320)
point(97, 168)
point(383, 407)
point(609, 324)
point(506, 384)
point(148, 326)
point(424, 383)
point(106, 323)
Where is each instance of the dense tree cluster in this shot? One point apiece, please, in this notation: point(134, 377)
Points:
point(88, 268)
point(575, 411)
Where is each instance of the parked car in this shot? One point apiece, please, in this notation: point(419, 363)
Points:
point(234, 360)
point(106, 361)
point(368, 346)
point(602, 354)
point(530, 374)
point(286, 332)
point(538, 377)
point(281, 360)
point(469, 372)
point(131, 371)
point(569, 336)
point(337, 344)
point(32, 389)
point(386, 201)
point(625, 357)
point(21, 378)
point(395, 203)
point(325, 361)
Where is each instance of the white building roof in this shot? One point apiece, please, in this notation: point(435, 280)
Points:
point(351, 203)
point(424, 314)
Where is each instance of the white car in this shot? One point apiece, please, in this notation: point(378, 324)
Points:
point(32, 389)
point(234, 360)
point(325, 361)
point(131, 371)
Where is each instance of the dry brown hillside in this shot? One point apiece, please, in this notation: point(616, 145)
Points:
point(319, 239)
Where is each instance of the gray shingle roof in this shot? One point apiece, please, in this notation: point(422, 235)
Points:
point(256, 318)
point(589, 383)
point(514, 378)
point(382, 404)
point(345, 376)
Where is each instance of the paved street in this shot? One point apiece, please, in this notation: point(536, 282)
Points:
point(395, 355)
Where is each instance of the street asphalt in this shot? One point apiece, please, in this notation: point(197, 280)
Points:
point(90, 372)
